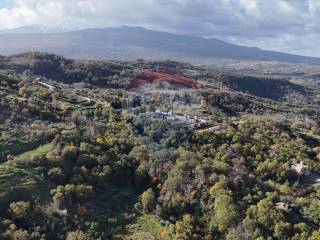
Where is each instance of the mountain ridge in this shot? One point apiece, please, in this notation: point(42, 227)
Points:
point(128, 43)
point(35, 29)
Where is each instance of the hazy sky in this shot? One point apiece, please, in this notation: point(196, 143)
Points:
point(284, 25)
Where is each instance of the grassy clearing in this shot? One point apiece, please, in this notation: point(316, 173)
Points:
point(19, 148)
point(34, 155)
point(147, 226)
point(22, 177)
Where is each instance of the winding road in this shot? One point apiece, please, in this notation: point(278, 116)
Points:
point(52, 88)
point(87, 99)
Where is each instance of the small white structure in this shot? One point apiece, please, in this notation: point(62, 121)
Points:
point(282, 206)
point(301, 169)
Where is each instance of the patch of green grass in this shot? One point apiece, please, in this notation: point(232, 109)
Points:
point(19, 98)
point(19, 148)
point(34, 155)
point(147, 226)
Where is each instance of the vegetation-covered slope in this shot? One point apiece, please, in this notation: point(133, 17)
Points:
point(104, 171)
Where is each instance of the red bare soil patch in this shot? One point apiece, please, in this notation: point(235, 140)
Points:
point(161, 75)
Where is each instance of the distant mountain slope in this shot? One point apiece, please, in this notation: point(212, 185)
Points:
point(137, 73)
point(135, 42)
point(35, 29)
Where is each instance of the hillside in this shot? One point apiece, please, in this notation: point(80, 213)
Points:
point(263, 86)
point(250, 93)
point(128, 43)
point(163, 163)
point(119, 74)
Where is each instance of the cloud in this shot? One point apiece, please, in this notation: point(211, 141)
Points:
point(272, 24)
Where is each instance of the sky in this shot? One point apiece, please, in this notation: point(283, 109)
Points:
point(282, 25)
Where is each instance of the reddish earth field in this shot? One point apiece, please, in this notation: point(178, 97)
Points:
point(162, 75)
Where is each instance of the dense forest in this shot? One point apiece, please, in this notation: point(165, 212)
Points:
point(99, 169)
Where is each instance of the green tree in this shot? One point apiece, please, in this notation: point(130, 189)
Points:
point(282, 230)
point(16, 234)
point(312, 212)
point(58, 200)
point(315, 235)
point(77, 235)
point(225, 212)
point(56, 174)
point(20, 209)
point(148, 199)
point(69, 153)
point(267, 215)
point(70, 194)
point(184, 228)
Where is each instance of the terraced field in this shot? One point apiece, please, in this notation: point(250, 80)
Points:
point(18, 181)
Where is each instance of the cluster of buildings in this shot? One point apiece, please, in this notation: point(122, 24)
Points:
point(186, 120)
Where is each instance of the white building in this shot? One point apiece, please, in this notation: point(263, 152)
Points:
point(301, 169)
